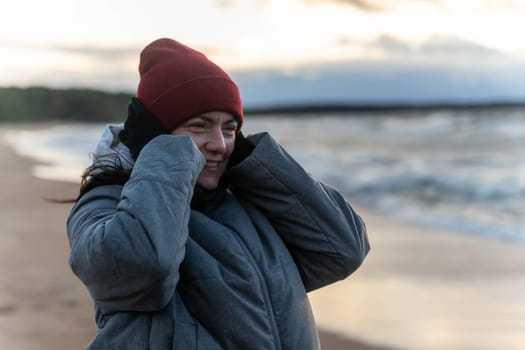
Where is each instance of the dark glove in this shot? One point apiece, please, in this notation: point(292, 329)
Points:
point(140, 127)
point(242, 149)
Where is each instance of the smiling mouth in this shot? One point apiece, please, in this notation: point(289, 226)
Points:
point(210, 164)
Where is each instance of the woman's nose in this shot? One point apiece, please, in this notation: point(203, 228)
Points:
point(216, 142)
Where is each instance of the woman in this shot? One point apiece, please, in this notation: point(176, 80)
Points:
point(189, 235)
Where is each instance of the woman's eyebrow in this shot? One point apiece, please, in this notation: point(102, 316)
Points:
point(233, 120)
point(204, 118)
point(211, 120)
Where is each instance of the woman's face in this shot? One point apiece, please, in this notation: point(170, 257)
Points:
point(214, 134)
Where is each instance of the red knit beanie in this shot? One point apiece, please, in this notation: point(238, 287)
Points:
point(177, 83)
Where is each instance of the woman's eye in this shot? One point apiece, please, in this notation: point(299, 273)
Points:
point(230, 130)
point(197, 125)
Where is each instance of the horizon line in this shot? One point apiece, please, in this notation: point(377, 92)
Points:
point(298, 107)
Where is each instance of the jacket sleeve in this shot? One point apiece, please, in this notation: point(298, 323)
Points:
point(324, 235)
point(127, 242)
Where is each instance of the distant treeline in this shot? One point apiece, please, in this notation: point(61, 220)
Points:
point(349, 108)
point(45, 104)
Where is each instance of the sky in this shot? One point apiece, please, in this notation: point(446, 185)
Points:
point(280, 51)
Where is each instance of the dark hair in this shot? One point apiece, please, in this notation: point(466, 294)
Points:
point(105, 170)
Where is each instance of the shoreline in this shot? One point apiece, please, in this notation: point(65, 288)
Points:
point(42, 304)
point(419, 288)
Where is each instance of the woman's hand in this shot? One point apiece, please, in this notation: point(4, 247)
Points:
point(140, 127)
point(242, 149)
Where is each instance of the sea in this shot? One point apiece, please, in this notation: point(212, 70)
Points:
point(456, 169)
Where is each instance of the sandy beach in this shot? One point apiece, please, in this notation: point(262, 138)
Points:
point(418, 289)
point(42, 305)
point(428, 289)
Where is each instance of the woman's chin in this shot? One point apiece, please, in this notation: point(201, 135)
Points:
point(208, 183)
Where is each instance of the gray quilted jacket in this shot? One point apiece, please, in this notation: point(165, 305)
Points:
point(163, 276)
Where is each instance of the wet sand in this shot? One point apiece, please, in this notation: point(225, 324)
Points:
point(42, 304)
point(426, 289)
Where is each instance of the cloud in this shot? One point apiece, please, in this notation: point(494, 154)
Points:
point(511, 5)
point(227, 3)
point(109, 56)
point(453, 46)
point(437, 70)
point(100, 53)
point(237, 3)
point(384, 43)
point(366, 5)
point(391, 44)
point(382, 82)
point(117, 80)
point(372, 5)
point(90, 52)
point(435, 48)
point(212, 51)
point(113, 68)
